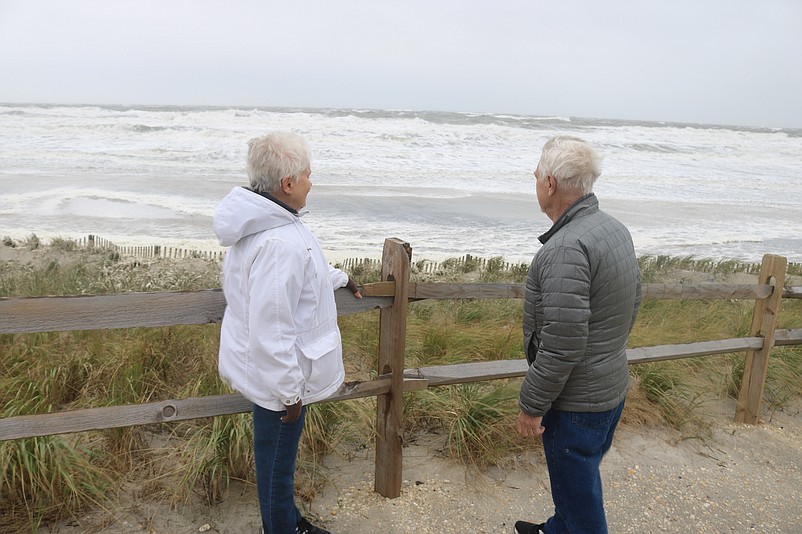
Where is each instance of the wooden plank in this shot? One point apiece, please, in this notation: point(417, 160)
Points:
point(690, 350)
point(392, 343)
point(131, 310)
point(120, 416)
point(704, 291)
point(347, 304)
point(90, 312)
point(168, 411)
point(378, 289)
point(788, 337)
point(443, 375)
point(792, 292)
point(421, 290)
point(700, 291)
point(764, 322)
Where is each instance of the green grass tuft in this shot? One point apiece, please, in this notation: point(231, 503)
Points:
point(214, 454)
point(479, 420)
point(47, 479)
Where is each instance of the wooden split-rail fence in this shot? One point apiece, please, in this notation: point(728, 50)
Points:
point(391, 296)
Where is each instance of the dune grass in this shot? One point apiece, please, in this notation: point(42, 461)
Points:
point(47, 479)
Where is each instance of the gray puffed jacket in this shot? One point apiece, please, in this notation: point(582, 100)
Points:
point(582, 295)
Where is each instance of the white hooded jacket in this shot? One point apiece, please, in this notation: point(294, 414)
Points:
point(279, 341)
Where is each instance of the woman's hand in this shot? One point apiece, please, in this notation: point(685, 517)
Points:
point(293, 413)
point(351, 285)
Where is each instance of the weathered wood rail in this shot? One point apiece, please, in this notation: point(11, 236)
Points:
point(391, 297)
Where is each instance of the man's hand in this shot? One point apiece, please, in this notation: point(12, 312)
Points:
point(529, 426)
point(293, 413)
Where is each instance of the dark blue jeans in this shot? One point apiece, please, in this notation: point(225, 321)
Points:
point(275, 446)
point(574, 443)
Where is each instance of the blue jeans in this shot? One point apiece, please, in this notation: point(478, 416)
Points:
point(574, 443)
point(275, 446)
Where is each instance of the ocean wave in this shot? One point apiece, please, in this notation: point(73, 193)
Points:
point(524, 118)
point(657, 147)
point(144, 128)
point(426, 176)
point(358, 191)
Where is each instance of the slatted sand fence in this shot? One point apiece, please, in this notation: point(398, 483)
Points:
point(96, 242)
point(391, 297)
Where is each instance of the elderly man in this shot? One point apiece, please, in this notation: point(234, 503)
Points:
point(582, 295)
point(279, 344)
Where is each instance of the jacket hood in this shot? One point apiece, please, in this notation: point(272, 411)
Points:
point(243, 212)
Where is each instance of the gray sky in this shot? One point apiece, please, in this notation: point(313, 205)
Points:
point(707, 61)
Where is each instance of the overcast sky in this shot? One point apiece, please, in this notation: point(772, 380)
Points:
point(733, 62)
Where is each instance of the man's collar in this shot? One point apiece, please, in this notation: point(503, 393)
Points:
point(584, 202)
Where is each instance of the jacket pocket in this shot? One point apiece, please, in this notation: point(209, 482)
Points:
point(531, 346)
point(324, 361)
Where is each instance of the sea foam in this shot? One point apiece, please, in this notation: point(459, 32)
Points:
point(449, 183)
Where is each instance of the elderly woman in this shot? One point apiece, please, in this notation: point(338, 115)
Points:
point(280, 345)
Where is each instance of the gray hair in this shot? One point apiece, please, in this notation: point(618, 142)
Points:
point(572, 162)
point(274, 157)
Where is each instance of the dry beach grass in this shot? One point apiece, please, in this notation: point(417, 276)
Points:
point(678, 462)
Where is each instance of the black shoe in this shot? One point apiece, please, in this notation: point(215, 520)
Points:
point(523, 527)
point(305, 527)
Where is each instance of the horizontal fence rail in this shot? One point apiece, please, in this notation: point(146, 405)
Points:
point(168, 411)
point(169, 308)
point(134, 310)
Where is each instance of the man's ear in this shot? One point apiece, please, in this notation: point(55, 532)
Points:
point(286, 184)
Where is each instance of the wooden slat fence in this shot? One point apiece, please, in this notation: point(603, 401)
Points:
point(390, 296)
point(147, 251)
point(468, 262)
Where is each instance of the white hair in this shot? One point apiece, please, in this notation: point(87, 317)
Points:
point(572, 162)
point(274, 157)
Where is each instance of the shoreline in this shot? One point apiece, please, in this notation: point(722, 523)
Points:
point(480, 223)
point(210, 247)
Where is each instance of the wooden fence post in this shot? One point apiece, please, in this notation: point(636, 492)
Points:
point(764, 323)
point(392, 343)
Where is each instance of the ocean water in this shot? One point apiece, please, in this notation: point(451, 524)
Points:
point(448, 183)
